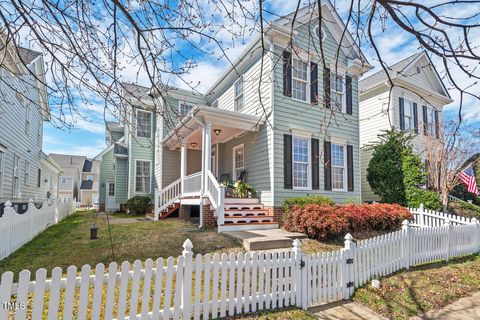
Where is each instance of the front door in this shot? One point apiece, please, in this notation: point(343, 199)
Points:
point(110, 197)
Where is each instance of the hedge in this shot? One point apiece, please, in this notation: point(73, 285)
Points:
point(330, 222)
point(289, 203)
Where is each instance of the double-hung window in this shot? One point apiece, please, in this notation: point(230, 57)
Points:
point(408, 115)
point(16, 177)
point(338, 167)
point(27, 173)
point(238, 161)
point(430, 122)
point(184, 108)
point(238, 92)
point(142, 176)
point(299, 80)
point(2, 168)
point(144, 124)
point(301, 162)
point(337, 92)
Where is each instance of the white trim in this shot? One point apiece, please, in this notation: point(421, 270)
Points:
point(234, 168)
point(339, 74)
point(307, 89)
point(345, 169)
point(301, 133)
point(2, 168)
point(324, 34)
point(136, 122)
point(135, 177)
point(235, 96)
point(309, 165)
point(272, 132)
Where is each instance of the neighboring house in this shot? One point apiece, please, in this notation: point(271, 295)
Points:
point(413, 104)
point(90, 183)
point(25, 171)
point(264, 120)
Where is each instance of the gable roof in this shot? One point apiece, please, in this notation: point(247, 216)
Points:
point(28, 55)
point(400, 69)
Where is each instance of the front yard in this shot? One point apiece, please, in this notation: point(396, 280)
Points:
point(68, 243)
point(423, 288)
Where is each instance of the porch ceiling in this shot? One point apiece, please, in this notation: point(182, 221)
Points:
point(231, 124)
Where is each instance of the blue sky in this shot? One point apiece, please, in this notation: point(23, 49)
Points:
point(86, 137)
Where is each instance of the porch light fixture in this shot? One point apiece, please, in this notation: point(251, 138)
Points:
point(193, 144)
point(217, 131)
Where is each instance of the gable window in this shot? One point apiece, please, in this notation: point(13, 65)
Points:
point(408, 115)
point(320, 35)
point(2, 163)
point(338, 167)
point(142, 176)
point(337, 91)
point(144, 124)
point(27, 173)
point(27, 120)
point(299, 80)
point(16, 178)
point(184, 108)
point(238, 161)
point(238, 91)
point(301, 162)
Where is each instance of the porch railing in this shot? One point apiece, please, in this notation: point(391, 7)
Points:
point(193, 184)
point(167, 196)
point(216, 194)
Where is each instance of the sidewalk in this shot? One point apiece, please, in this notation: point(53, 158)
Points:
point(464, 309)
point(344, 310)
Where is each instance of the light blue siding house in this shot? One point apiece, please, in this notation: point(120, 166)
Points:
point(284, 120)
point(26, 172)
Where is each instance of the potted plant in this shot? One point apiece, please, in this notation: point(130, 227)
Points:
point(244, 190)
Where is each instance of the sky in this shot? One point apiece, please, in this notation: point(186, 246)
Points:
point(87, 134)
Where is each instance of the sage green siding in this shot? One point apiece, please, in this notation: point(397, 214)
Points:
point(291, 114)
point(107, 173)
point(121, 172)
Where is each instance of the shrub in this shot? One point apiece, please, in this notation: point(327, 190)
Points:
point(431, 200)
point(330, 222)
point(138, 204)
point(302, 201)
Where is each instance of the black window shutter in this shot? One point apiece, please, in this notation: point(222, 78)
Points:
point(313, 83)
point(326, 87)
point(350, 179)
point(287, 73)
point(327, 152)
point(425, 120)
point(39, 178)
point(415, 117)
point(348, 84)
point(437, 125)
point(315, 163)
point(287, 161)
point(402, 112)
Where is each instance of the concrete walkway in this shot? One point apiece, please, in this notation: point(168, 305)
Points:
point(257, 240)
point(344, 310)
point(464, 309)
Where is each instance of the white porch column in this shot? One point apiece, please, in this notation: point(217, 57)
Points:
point(207, 148)
point(183, 166)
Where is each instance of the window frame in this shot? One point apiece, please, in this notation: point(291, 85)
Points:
point(26, 180)
point(16, 177)
point(183, 102)
point(408, 103)
point(27, 120)
point(333, 93)
point(88, 176)
point(237, 96)
point(108, 189)
point(234, 168)
point(307, 81)
point(39, 133)
point(149, 176)
point(344, 167)
point(324, 34)
point(137, 127)
point(309, 163)
point(2, 169)
point(431, 121)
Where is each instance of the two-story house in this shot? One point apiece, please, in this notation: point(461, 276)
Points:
point(283, 119)
point(26, 172)
point(414, 103)
point(90, 183)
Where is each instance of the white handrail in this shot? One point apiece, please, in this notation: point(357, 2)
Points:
point(216, 194)
point(453, 198)
point(193, 183)
point(167, 196)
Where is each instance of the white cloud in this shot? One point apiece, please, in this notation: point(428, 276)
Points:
point(89, 151)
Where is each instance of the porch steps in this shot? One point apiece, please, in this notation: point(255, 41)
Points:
point(165, 213)
point(246, 214)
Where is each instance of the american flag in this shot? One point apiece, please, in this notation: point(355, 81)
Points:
point(467, 176)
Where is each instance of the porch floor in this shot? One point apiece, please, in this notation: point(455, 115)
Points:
point(255, 240)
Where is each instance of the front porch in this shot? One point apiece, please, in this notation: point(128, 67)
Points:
point(205, 129)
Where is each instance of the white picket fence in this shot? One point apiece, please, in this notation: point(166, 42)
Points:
point(17, 229)
point(219, 285)
point(430, 218)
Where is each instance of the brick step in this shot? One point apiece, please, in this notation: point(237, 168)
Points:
point(246, 213)
point(243, 206)
point(244, 220)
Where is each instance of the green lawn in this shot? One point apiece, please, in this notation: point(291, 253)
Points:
point(282, 314)
point(68, 243)
point(423, 288)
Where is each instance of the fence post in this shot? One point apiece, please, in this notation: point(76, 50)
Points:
point(448, 226)
point(299, 265)
point(422, 215)
point(187, 279)
point(406, 244)
point(8, 213)
point(477, 233)
point(347, 266)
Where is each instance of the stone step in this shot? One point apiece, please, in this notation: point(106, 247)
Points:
point(245, 220)
point(247, 213)
point(247, 226)
point(264, 243)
